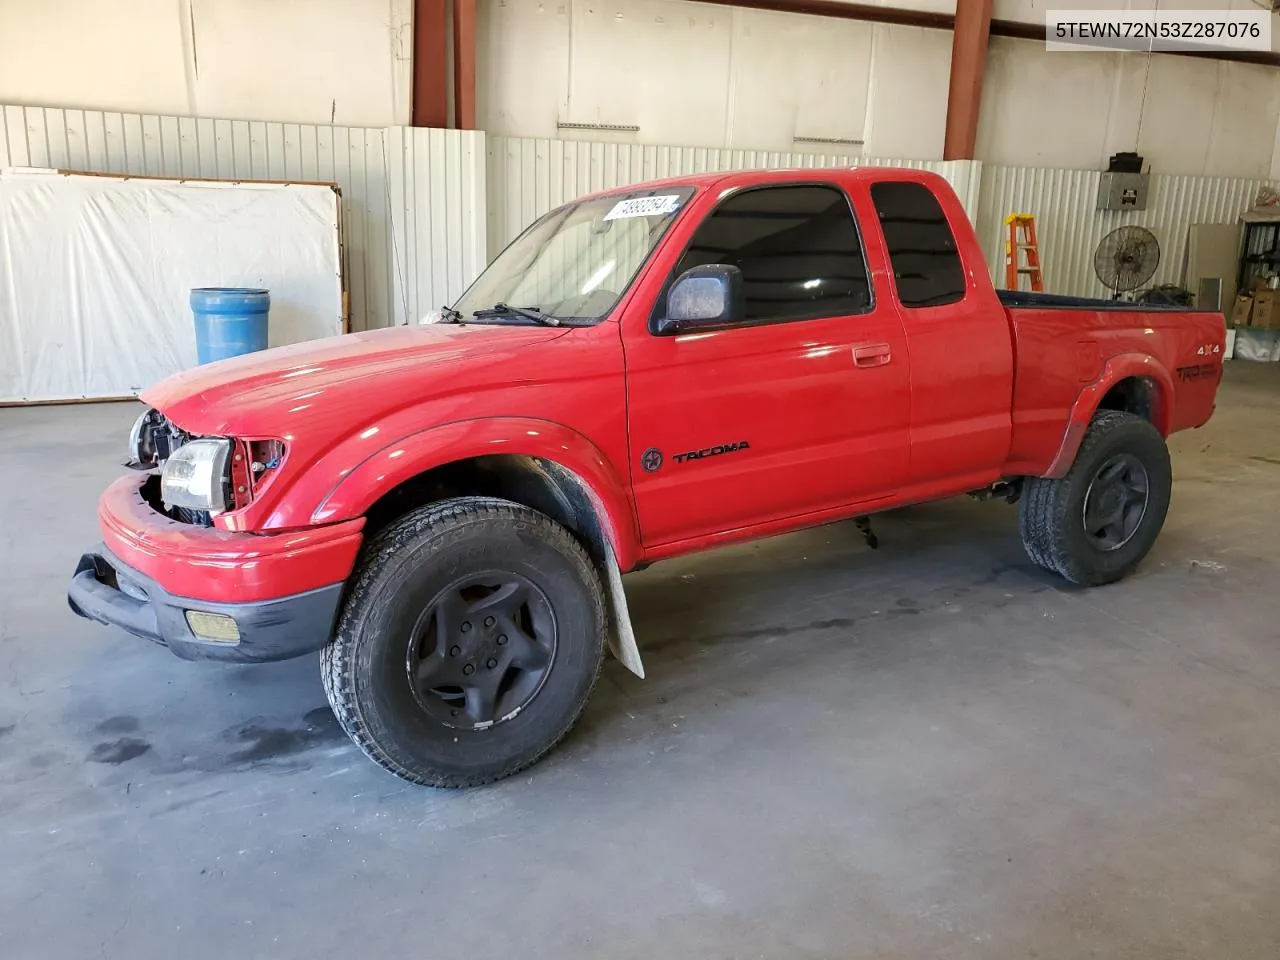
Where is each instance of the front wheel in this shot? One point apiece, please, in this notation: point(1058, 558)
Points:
point(469, 643)
point(1096, 524)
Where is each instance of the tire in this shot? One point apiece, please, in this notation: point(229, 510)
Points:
point(1095, 525)
point(428, 576)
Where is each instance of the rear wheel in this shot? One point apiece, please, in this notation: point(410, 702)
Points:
point(1096, 524)
point(471, 639)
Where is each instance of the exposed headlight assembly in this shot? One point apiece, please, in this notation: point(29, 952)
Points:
point(140, 454)
point(151, 441)
point(196, 476)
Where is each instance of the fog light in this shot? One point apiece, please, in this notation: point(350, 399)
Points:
point(213, 626)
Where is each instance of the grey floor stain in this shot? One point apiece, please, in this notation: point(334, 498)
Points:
point(116, 752)
point(265, 743)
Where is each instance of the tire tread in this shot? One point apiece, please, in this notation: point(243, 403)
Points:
point(1043, 510)
point(336, 658)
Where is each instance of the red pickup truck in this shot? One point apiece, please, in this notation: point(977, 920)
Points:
point(445, 510)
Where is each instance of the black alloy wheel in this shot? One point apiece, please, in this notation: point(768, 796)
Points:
point(482, 649)
point(1116, 501)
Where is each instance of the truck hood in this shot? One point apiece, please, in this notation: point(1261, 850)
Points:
point(356, 375)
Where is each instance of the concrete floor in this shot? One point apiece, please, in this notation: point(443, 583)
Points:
point(932, 750)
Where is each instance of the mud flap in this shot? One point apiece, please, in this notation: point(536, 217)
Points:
point(622, 639)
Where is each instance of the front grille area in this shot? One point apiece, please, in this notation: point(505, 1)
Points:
point(151, 494)
point(201, 518)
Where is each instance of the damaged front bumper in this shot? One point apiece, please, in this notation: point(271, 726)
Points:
point(107, 590)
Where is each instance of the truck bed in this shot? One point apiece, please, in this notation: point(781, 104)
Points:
point(1063, 345)
point(1023, 299)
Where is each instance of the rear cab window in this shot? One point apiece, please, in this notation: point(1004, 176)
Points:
point(798, 248)
point(927, 270)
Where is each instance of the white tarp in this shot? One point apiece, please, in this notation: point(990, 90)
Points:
point(96, 273)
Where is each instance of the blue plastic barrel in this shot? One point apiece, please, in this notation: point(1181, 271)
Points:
point(230, 321)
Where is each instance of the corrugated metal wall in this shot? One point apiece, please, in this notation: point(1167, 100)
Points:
point(438, 228)
point(409, 196)
point(1069, 227)
point(424, 209)
point(528, 177)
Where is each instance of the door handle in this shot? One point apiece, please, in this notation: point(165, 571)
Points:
point(872, 355)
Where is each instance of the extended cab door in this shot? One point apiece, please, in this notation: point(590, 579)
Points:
point(957, 333)
point(800, 406)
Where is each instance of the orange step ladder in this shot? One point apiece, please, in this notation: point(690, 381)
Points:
point(1022, 238)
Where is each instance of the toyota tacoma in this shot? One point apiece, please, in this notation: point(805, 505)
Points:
point(445, 510)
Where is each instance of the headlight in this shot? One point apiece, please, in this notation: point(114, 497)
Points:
point(195, 476)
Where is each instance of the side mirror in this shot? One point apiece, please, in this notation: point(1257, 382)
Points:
point(706, 296)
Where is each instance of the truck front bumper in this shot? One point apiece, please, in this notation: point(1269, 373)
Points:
point(108, 591)
point(210, 594)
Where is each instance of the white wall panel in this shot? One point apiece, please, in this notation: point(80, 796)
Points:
point(1069, 227)
point(438, 227)
point(710, 75)
point(308, 61)
point(676, 71)
point(1186, 116)
point(436, 177)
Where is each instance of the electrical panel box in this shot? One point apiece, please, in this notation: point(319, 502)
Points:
point(1123, 191)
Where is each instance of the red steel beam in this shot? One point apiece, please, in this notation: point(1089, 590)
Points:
point(464, 64)
point(968, 65)
point(430, 64)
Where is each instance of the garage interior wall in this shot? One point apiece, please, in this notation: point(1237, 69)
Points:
point(345, 62)
point(696, 74)
point(1183, 115)
point(731, 78)
point(424, 210)
point(708, 87)
point(711, 76)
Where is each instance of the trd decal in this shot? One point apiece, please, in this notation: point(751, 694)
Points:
point(715, 451)
point(1198, 371)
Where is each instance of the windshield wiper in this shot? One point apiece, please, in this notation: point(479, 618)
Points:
point(529, 313)
point(450, 315)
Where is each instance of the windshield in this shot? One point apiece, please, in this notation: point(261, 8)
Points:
point(577, 261)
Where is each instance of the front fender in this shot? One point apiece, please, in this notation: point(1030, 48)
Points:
point(1118, 368)
point(460, 440)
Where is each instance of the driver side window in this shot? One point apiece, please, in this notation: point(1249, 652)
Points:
point(798, 249)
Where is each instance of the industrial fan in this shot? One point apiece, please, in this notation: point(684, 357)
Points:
point(1126, 258)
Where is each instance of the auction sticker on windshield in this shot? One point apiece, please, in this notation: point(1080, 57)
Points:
point(644, 207)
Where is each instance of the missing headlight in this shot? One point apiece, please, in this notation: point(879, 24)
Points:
point(152, 440)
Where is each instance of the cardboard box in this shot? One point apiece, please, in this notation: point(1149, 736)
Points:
point(1240, 310)
point(1266, 310)
point(1259, 283)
